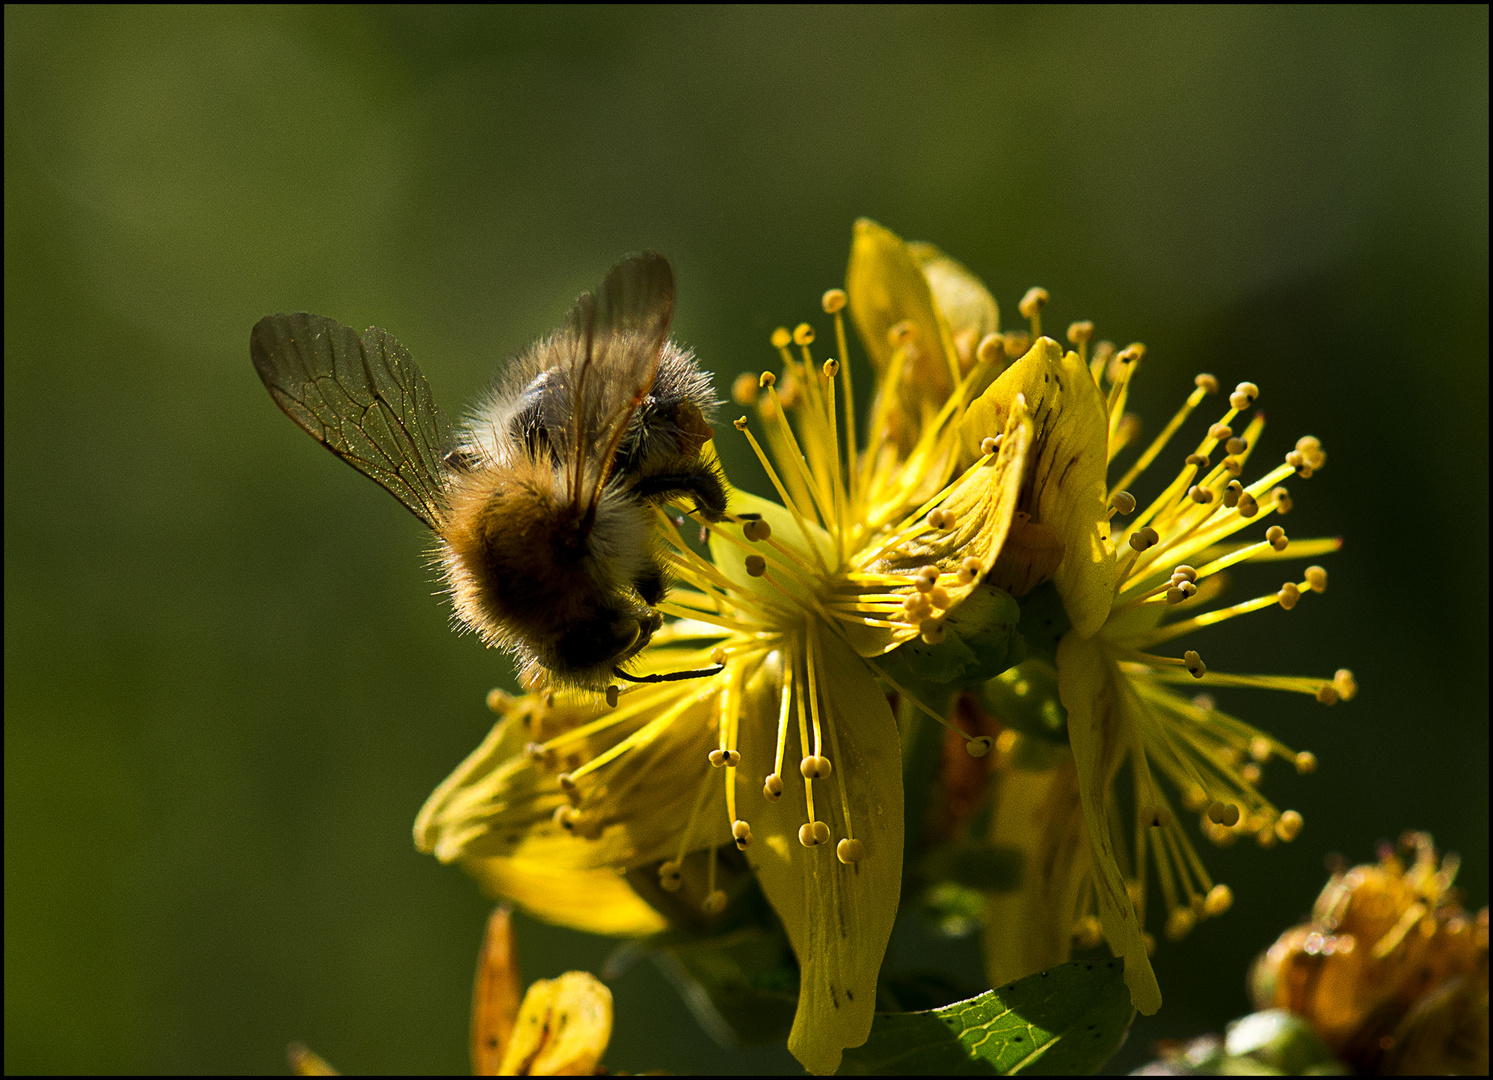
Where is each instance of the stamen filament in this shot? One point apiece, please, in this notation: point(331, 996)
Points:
point(798, 517)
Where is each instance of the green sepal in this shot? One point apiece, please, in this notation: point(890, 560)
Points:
point(980, 641)
point(1026, 698)
point(1068, 1020)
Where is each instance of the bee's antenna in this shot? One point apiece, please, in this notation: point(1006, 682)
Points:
point(671, 676)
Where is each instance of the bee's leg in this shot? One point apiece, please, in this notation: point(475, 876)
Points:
point(651, 582)
point(701, 482)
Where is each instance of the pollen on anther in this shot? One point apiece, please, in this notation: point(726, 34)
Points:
point(564, 816)
point(1221, 432)
point(1144, 538)
point(1289, 595)
point(718, 758)
point(1183, 572)
point(611, 695)
point(850, 851)
point(1346, 684)
point(939, 598)
point(933, 631)
point(806, 835)
point(714, 902)
point(566, 782)
point(1194, 663)
point(756, 565)
point(901, 333)
point(1327, 694)
point(1220, 899)
point(781, 337)
point(1157, 817)
point(969, 569)
point(831, 368)
point(979, 746)
point(1200, 460)
point(1200, 495)
point(1306, 762)
point(925, 579)
point(1288, 826)
point(1316, 577)
point(988, 444)
point(803, 334)
point(833, 301)
point(766, 379)
point(1207, 383)
point(1080, 333)
point(499, 700)
point(1276, 537)
point(741, 832)
point(1282, 499)
point(991, 349)
point(740, 423)
point(744, 389)
point(1034, 300)
point(756, 530)
point(815, 767)
point(1248, 507)
point(1123, 502)
point(669, 878)
point(1179, 923)
point(772, 787)
point(1223, 813)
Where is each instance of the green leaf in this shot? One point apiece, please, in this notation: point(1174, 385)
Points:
point(980, 641)
point(1068, 1020)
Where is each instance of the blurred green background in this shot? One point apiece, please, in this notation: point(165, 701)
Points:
point(228, 687)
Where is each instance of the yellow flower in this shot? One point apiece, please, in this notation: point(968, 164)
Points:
point(786, 744)
point(1126, 598)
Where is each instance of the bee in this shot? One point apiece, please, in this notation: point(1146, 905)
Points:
point(543, 503)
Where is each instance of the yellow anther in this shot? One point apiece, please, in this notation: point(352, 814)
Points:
point(1207, 383)
point(1131, 353)
point(1148, 939)
point(1016, 342)
point(1289, 595)
point(1259, 748)
point(1221, 433)
point(756, 565)
point(718, 655)
point(669, 877)
point(714, 903)
point(1200, 495)
point(1033, 302)
point(1306, 762)
point(926, 578)
point(717, 757)
point(901, 333)
point(1316, 578)
point(766, 379)
point(1204, 702)
point(1247, 505)
point(1244, 396)
point(1236, 446)
point(1233, 465)
point(564, 816)
point(917, 607)
point(806, 834)
point(850, 851)
point(1276, 537)
point(1129, 429)
point(1179, 923)
point(1183, 572)
point(1223, 813)
point(1345, 684)
point(968, 570)
point(833, 301)
point(499, 700)
point(1194, 798)
point(740, 423)
point(1123, 502)
point(1144, 538)
point(744, 389)
point(1327, 694)
point(611, 694)
point(1088, 932)
point(815, 767)
point(991, 350)
point(803, 334)
point(932, 631)
point(1080, 333)
point(1220, 899)
point(1282, 499)
point(782, 337)
point(566, 782)
point(535, 751)
point(756, 530)
point(1251, 772)
point(1200, 460)
point(1157, 817)
point(939, 597)
point(741, 832)
point(772, 787)
point(988, 444)
point(831, 368)
point(1288, 826)
point(979, 746)
point(1183, 590)
point(1194, 663)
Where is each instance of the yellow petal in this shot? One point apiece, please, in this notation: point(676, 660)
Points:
point(1037, 811)
point(964, 302)
point(982, 502)
point(563, 1028)
point(1099, 746)
point(1064, 486)
point(886, 287)
point(838, 916)
point(596, 901)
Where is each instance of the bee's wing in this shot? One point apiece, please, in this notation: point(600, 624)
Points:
point(360, 396)
point(617, 335)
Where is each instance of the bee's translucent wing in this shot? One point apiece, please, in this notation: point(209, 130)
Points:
point(616, 336)
point(362, 397)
